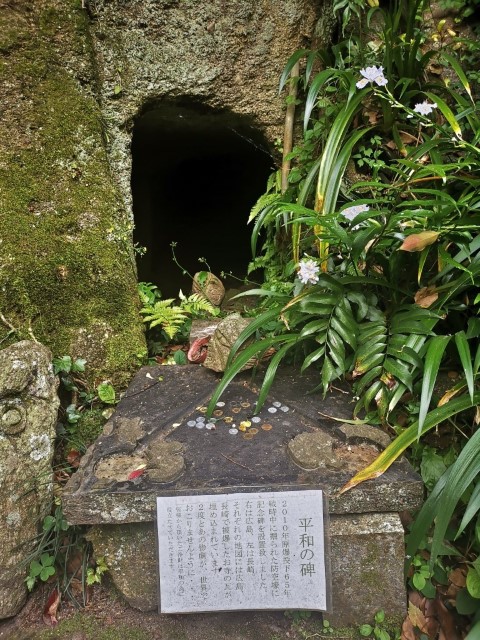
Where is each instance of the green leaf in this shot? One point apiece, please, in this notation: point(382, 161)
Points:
point(474, 633)
point(180, 357)
point(46, 572)
point(472, 509)
point(62, 364)
point(79, 365)
point(465, 358)
point(366, 630)
point(466, 604)
point(433, 358)
point(35, 568)
point(106, 393)
point(380, 616)
point(473, 582)
point(408, 437)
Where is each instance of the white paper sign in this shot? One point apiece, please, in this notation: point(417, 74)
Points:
point(242, 551)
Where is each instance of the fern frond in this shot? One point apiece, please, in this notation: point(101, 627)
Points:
point(196, 305)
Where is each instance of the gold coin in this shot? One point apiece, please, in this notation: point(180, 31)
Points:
point(236, 410)
point(248, 436)
point(242, 427)
point(228, 419)
point(246, 423)
point(253, 430)
point(245, 405)
point(266, 427)
point(217, 413)
point(202, 409)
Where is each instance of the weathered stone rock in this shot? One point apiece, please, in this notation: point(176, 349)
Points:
point(362, 582)
point(364, 526)
point(165, 460)
point(209, 286)
point(313, 450)
point(222, 341)
point(130, 553)
point(28, 412)
point(358, 433)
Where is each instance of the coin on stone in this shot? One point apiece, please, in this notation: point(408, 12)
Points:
point(217, 413)
point(246, 423)
point(202, 409)
point(256, 419)
point(210, 426)
point(233, 431)
point(200, 418)
point(284, 408)
point(248, 435)
point(191, 423)
point(272, 409)
point(266, 426)
point(245, 405)
point(228, 419)
point(253, 430)
point(220, 404)
point(236, 409)
point(277, 404)
point(242, 427)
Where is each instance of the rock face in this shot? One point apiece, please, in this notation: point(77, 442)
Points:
point(28, 412)
point(67, 272)
point(222, 341)
point(74, 81)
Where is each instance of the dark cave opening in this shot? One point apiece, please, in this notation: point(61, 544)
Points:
point(195, 176)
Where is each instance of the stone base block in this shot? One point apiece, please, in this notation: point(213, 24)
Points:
point(366, 558)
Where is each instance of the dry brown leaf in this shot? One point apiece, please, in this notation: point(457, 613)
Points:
point(408, 632)
point(416, 617)
point(458, 576)
point(446, 620)
point(426, 296)
point(447, 396)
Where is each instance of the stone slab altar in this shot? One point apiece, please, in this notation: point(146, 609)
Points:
point(159, 442)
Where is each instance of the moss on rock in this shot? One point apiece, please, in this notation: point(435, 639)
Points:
point(67, 272)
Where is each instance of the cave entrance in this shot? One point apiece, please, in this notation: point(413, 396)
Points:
point(195, 176)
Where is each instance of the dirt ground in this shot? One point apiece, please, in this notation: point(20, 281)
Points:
point(107, 617)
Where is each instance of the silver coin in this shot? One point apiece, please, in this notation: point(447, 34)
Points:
point(256, 419)
point(233, 431)
point(191, 423)
point(284, 408)
point(220, 404)
point(209, 425)
point(272, 410)
point(200, 419)
point(200, 425)
point(277, 404)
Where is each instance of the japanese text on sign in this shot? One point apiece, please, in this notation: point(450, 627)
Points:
point(242, 551)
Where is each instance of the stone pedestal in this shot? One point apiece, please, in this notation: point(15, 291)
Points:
point(158, 443)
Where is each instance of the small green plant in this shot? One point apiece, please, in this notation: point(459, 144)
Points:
point(169, 320)
point(378, 630)
point(297, 615)
point(49, 546)
point(94, 574)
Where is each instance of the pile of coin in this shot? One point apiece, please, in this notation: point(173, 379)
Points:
point(248, 426)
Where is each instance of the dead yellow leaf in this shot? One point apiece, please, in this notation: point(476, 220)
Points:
point(426, 296)
point(418, 241)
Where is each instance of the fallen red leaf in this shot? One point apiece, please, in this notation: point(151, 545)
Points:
point(426, 296)
point(408, 632)
point(50, 611)
point(135, 474)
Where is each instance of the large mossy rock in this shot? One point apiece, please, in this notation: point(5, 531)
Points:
point(67, 272)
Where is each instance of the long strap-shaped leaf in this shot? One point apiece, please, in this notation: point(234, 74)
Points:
point(408, 437)
point(433, 358)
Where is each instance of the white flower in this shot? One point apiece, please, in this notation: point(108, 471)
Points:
point(425, 108)
point(41, 447)
point(372, 74)
point(352, 212)
point(308, 272)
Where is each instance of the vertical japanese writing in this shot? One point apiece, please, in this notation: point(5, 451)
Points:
point(202, 549)
point(226, 542)
point(286, 558)
point(307, 543)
